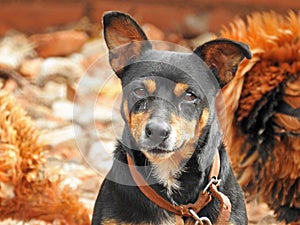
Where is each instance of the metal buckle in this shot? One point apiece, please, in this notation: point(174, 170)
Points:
point(200, 220)
point(214, 181)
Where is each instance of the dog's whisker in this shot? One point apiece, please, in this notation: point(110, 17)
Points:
point(173, 161)
point(151, 172)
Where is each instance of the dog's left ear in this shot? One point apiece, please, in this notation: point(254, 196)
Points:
point(125, 40)
point(223, 57)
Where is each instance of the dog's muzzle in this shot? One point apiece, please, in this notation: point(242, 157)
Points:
point(157, 138)
point(157, 132)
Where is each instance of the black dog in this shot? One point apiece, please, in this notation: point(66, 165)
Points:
point(171, 138)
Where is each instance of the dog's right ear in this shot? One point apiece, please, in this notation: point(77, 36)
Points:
point(124, 38)
point(223, 57)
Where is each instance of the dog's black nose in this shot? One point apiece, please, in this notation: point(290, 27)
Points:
point(157, 131)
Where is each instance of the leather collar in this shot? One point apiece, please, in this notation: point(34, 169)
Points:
point(203, 199)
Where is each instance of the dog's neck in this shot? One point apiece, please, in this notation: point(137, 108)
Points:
point(170, 174)
point(169, 170)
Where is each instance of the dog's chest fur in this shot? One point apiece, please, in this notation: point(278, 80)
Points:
point(169, 170)
point(167, 174)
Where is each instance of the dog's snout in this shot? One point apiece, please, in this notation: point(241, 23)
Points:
point(157, 131)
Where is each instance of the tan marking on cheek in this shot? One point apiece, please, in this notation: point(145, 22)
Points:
point(150, 85)
point(137, 123)
point(185, 133)
point(202, 122)
point(184, 129)
point(175, 125)
point(189, 127)
point(180, 88)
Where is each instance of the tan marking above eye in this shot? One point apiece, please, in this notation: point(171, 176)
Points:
point(180, 88)
point(150, 85)
point(182, 126)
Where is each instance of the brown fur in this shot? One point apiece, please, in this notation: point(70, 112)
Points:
point(150, 85)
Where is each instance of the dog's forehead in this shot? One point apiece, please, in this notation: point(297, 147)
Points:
point(189, 64)
point(175, 67)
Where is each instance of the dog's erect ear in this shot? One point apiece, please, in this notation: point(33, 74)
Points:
point(223, 57)
point(119, 30)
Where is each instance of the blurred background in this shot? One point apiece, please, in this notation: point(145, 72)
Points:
point(186, 17)
point(54, 74)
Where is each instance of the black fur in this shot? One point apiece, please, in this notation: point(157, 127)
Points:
point(119, 200)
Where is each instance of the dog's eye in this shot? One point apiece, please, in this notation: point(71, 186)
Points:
point(140, 92)
point(189, 97)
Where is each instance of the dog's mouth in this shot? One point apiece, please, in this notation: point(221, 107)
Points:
point(159, 151)
point(163, 151)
